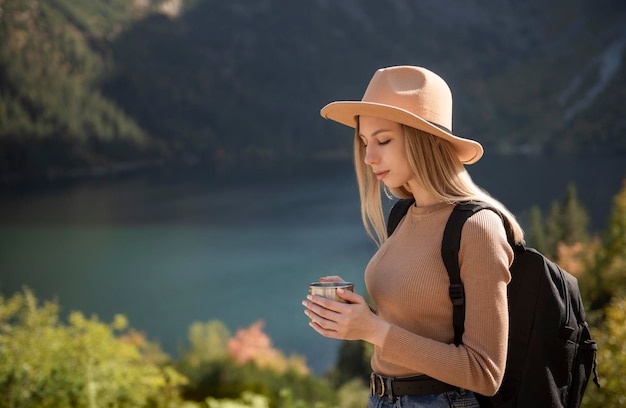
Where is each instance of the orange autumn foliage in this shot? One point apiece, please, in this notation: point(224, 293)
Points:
point(576, 258)
point(253, 345)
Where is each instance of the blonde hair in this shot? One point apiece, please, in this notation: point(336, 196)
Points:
point(436, 167)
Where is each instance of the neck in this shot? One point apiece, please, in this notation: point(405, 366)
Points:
point(422, 197)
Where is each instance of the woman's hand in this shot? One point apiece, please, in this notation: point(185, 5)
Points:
point(333, 278)
point(345, 321)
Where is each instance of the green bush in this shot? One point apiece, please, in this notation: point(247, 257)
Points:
point(86, 363)
point(611, 338)
point(216, 371)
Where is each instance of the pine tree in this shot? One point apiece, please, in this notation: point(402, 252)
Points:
point(353, 362)
point(553, 231)
point(607, 274)
point(566, 224)
point(536, 236)
point(574, 219)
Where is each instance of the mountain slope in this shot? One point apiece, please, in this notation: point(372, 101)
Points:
point(240, 84)
point(53, 115)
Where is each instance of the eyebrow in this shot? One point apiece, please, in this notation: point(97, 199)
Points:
point(376, 133)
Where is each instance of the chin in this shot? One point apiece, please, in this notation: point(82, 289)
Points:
point(392, 185)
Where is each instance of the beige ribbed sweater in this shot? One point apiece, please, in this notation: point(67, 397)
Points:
point(408, 281)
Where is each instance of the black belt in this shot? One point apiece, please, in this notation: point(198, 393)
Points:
point(418, 385)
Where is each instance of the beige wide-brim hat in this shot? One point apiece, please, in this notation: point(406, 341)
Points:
point(412, 96)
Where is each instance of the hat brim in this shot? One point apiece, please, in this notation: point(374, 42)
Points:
point(346, 112)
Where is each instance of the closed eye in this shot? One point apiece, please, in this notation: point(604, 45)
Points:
point(379, 143)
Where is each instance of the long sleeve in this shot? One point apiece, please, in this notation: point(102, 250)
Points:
point(408, 281)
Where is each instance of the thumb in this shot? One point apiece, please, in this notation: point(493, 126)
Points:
point(349, 295)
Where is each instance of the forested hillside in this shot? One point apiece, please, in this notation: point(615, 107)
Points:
point(113, 84)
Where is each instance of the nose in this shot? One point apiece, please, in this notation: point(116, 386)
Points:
point(371, 156)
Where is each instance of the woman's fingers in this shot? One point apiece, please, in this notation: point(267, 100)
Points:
point(324, 312)
point(333, 278)
point(320, 324)
point(326, 308)
point(346, 321)
point(328, 317)
point(323, 331)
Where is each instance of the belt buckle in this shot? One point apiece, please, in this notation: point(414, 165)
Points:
point(373, 379)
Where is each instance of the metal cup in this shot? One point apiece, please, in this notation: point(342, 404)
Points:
point(329, 289)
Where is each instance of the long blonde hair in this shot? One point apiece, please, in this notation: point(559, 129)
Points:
point(436, 167)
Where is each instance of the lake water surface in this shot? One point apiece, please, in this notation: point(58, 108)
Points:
point(169, 251)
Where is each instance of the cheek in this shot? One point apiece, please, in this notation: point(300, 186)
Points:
point(401, 160)
point(406, 172)
point(401, 169)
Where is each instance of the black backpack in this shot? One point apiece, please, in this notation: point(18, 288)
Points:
point(551, 353)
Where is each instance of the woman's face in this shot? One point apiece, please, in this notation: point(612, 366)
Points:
point(384, 150)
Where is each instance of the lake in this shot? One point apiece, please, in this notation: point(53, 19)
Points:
point(167, 250)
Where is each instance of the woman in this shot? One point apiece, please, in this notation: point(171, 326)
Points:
point(404, 139)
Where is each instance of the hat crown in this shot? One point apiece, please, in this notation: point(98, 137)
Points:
point(414, 89)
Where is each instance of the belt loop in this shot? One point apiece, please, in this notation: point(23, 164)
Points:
point(389, 386)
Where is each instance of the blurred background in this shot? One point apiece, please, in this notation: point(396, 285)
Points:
point(166, 160)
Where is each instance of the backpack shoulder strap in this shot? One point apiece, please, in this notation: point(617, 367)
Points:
point(450, 247)
point(398, 211)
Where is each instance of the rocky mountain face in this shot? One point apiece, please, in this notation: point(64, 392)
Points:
point(242, 82)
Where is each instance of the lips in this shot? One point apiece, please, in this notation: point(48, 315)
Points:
point(381, 174)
